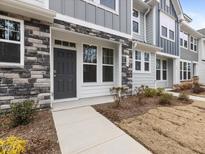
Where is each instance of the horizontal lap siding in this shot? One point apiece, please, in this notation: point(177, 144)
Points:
point(87, 12)
point(147, 79)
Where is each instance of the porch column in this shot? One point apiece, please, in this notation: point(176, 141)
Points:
point(176, 71)
point(119, 66)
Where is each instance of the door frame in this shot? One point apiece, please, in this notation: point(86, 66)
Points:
point(52, 41)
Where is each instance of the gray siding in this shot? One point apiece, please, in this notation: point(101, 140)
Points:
point(169, 47)
point(147, 79)
point(188, 55)
point(140, 36)
point(149, 27)
point(84, 11)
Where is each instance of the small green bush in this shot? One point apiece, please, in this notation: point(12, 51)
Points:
point(22, 113)
point(165, 99)
point(160, 91)
point(183, 97)
point(150, 92)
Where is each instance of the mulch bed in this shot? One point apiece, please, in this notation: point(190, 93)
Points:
point(40, 133)
point(189, 92)
point(131, 107)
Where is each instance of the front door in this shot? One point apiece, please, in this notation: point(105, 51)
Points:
point(64, 73)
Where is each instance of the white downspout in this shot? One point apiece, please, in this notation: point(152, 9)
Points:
point(145, 24)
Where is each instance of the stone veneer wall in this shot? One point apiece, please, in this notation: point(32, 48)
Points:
point(126, 47)
point(33, 80)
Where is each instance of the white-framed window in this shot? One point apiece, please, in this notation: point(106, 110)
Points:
point(108, 65)
point(161, 69)
point(89, 63)
point(167, 27)
point(193, 43)
point(142, 62)
point(109, 5)
point(184, 40)
point(11, 41)
point(185, 70)
point(136, 21)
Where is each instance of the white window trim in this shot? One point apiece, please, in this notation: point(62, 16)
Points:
point(136, 20)
point(113, 65)
point(21, 64)
point(187, 70)
point(97, 3)
point(183, 38)
point(142, 61)
point(194, 44)
point(168, 34)
point(161, 69)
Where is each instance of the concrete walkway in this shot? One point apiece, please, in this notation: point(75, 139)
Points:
point(84, 131)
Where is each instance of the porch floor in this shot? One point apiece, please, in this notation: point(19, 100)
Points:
point(81, 102)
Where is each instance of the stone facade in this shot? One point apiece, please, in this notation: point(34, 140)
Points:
point(33, 80)
point(126, 47)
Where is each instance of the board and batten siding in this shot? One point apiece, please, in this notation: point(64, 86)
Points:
point(140, 36)
point(168, 46)
point(147, 79)
point(85, 11)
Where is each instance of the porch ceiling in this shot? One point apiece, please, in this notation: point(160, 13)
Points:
point(146, 47)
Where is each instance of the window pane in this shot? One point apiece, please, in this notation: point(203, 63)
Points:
point(137, 55)
point(108, 3)
point(107, 56)
point(146, 56)
point(135, 27)
point(195, 48)
point(14, 36)
point(2, 33)
point(158, 64)
point(135, 14)
point(189, 75)
point(14, 26)
point(185, 66)
point(181, 42)
point(107, 73)
point(171, 34)
point(9, 52)
point(185, 43)
point(138, 66)
point(185, 75)
point(2, 23)
point(181, 75)
point(164, 64)
point(164, 75)
point(89, 73)
point(158, 75)
point(181, 68)
point(89, 54)
point(192, 47)
point(164, 31)
point(146, 67)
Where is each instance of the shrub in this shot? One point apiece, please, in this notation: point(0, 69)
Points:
point(196, 86)
point(22, 113)
point(183, 97)
point(12, 145)
point(165, 99)
point(182, 86)
point(140, 92)
point(119, 94)
point(150, 92)
point(160, 91)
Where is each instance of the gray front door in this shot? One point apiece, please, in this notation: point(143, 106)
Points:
point(64, 73)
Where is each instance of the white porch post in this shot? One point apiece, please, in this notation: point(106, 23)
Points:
point(176, 71)
point(119, 66)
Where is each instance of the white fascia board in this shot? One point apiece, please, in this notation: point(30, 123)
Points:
point(185, 27)
point(167, 55)
point(28, 10)
point(91, 25)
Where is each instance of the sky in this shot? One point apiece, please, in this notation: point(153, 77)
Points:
point(196, 10)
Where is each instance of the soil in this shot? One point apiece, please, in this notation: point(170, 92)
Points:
point(175, 128)
point(189, 92)
point(40, 133)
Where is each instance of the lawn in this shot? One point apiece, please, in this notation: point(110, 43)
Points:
point(40, 133)
point(175, 128)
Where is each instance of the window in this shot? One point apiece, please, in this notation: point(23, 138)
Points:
point(11, 41)
point(65, 44)
point(164, 31)
point(108, 3)
point(183, 40)
point(161, 69)
point(138, 58)
point(185, 70)
point(136, 21)
point(108, 65)
point(89, 63)
point(171, 35)
point(193, 44)
point(142, 61)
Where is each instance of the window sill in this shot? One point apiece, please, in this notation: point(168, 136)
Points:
point(103, 7)
point(11, 65)
point(142, 72)
point(94, 84)
point(167, 38)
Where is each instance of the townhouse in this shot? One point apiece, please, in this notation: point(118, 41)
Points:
point(54, 51)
